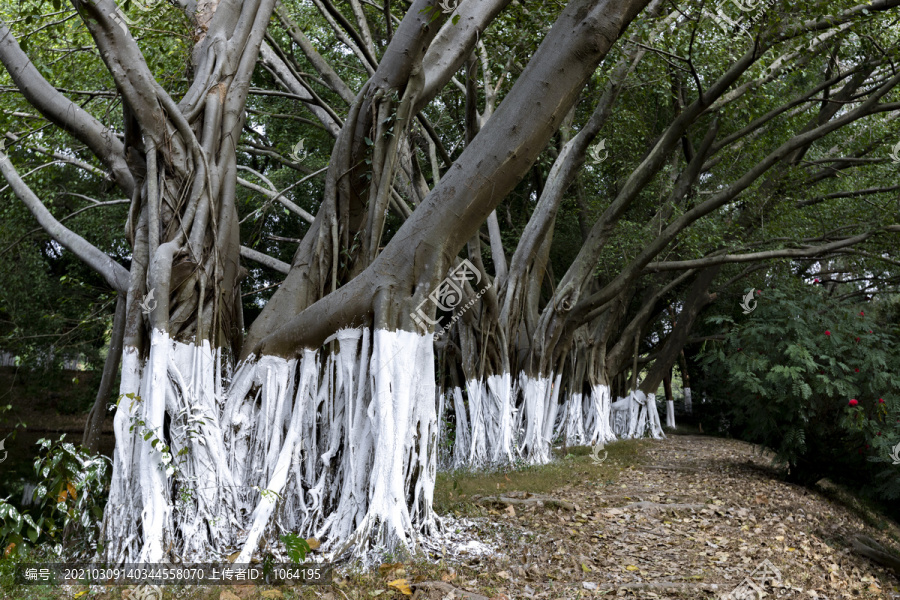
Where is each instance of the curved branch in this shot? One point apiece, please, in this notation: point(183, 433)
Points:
point(63, 112)
point(265, 260)
point(758, 256)
point(115, 274)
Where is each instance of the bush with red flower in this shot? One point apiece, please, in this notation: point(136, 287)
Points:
point(807, 379)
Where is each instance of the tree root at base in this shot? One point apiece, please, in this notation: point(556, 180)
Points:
point(525, 500)
point(866, 546)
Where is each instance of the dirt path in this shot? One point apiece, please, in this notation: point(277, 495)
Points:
point(692, 518)
point(696, 518)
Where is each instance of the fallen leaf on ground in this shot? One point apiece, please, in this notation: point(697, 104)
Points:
point(401, 585)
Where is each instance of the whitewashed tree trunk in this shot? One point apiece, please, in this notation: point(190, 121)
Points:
point(599, 428)
point(654, 426)
point(552, 408)
point(688, 406)
point(572, 422)
point(477, 393)
point(533, 446)
point(670, 414)
point(484, 431)
point(501, 417)
point(342, 446)
point(462, 437)
point(624, 417)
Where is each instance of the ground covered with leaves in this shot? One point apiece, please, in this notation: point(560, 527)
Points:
point(686, 517)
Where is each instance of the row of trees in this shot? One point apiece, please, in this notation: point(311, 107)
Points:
point(558, 190)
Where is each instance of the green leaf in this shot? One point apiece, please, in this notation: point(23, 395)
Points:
point(297, 547)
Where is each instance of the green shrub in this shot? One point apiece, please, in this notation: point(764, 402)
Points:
point(785, 375)
point(69, 503)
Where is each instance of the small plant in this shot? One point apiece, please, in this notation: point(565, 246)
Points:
point(267, 494)
point(297, 547)
point(75, 488)
point(167, 463)
point(69, 503)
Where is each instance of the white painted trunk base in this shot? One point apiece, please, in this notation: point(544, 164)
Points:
point(670, 414)
point(688, 405)
point(347, 442)
point(635, 416)
point(571, 428)
point(598, 424)
point(484, 424)
point(534, 443)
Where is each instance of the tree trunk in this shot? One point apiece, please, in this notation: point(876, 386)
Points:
point(686, 383)
point(670, 401)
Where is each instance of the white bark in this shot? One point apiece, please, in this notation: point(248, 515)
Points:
point(654, 426)
point(624, 413)
point(476, 393)
point(688, 407)
point(572, 425)
point(484, 431)
point(340, 446)
point(463, 435)
point(598, 427)
point(501, 438)
point(534, 446)
point(552, 410)
point(670, 414)
point(635, 416)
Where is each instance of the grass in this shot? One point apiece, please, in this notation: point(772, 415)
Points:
point(453, 490)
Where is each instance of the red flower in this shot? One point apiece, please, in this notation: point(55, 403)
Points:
point(857, 339)
point(759, 292)
point(879, 433)
point(739, 349)
point(857, 370)
point(827, 332)
point(862, 314)
point(881, 401)
point(870, 331)
point(854, 402)
point(817, 280)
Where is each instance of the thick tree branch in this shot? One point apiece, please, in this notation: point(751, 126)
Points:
point(265, 260)
point(115, 274)
point(63, 112)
